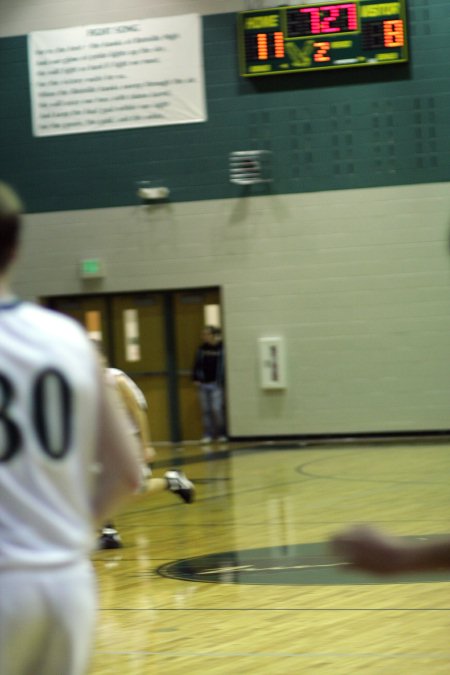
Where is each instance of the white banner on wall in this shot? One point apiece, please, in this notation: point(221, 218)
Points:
point(117, 76)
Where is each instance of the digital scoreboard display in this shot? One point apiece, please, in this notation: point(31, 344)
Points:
point(297, 38)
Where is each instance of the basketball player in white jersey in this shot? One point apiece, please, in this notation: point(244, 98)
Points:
point(134, 405)
point(66, 462)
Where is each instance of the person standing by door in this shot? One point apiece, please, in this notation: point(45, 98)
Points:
point(208, 374)
point(66, 464)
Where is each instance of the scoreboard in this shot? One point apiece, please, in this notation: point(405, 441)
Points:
point(317, 36)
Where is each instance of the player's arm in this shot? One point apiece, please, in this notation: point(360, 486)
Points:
point(139, 417)
point(430, 555)
point(369, 549)
point(120, 472)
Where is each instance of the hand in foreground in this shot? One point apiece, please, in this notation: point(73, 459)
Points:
point(368, 549)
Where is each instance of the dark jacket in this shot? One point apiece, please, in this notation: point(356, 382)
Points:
point(209, 364)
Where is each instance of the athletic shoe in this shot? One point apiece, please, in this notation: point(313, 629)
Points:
point(206, 439)
point(109, 538)
point(222, 439)
point(180, 485)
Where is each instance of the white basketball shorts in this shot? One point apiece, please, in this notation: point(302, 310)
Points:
point(47, 620)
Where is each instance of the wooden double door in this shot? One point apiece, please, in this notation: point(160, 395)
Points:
point(153, 336)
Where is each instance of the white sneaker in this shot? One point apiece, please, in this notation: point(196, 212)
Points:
point(206, 439)
point(222, 439)
point(180, 485)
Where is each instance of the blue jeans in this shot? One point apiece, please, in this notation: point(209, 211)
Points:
point(211, 401)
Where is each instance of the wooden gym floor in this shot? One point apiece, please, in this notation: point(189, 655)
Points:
point(276, 602)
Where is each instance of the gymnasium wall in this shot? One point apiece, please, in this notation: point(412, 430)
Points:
point(346, 256)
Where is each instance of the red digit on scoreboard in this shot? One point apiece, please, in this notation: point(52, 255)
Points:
point(352, 17)
point(321, 55)
point(393, 32)
point(263, 50)
point(278, 39)
point(334, 12)
point(314, 16)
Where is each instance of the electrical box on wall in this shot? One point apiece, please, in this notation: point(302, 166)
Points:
point(272, 362)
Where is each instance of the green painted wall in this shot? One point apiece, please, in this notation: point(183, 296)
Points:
point(349, 129)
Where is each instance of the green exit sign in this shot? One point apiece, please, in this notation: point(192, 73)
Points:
point(92, 268)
